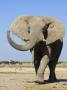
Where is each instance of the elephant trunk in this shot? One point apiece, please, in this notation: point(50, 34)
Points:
point(29, 44)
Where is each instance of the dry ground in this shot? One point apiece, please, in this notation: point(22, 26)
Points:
point(22, 78)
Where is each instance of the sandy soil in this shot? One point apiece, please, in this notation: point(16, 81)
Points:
point(22, 78)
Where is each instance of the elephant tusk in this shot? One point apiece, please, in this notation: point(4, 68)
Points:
point(30, 44)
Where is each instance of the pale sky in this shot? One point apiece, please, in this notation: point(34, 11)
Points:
point(10, 9)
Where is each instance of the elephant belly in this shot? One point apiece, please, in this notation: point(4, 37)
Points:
point(40, 49)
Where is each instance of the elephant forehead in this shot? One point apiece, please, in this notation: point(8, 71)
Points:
point(23, 22)
point(36, 23)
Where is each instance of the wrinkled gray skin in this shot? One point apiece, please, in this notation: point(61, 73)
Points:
point(43, 37)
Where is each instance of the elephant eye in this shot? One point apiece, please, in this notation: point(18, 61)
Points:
point(51, 26)
point(28, 29)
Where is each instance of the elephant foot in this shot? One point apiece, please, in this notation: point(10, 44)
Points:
point(52, 79)
point(40, 79)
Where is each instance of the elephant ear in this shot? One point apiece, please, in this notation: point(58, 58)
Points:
point(55, 31)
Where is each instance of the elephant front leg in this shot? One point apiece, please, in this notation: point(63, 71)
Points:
point(40, 72)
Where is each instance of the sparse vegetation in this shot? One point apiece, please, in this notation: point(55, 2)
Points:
point(14, 63)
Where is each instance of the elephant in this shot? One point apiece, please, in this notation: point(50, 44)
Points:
point(44, 38)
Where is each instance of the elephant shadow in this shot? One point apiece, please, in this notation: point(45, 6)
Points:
point(49, 82)
point(57, 81)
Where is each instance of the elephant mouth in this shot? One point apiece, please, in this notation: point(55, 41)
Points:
point(25, 40)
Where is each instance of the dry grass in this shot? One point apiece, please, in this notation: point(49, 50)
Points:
point(20, 77)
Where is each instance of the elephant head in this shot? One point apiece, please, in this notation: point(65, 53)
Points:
point(33, 29)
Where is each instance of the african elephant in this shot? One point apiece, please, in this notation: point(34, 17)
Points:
point(44, 38)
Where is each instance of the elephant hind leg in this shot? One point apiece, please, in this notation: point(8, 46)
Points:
point(55, 53)
point(52, 65)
